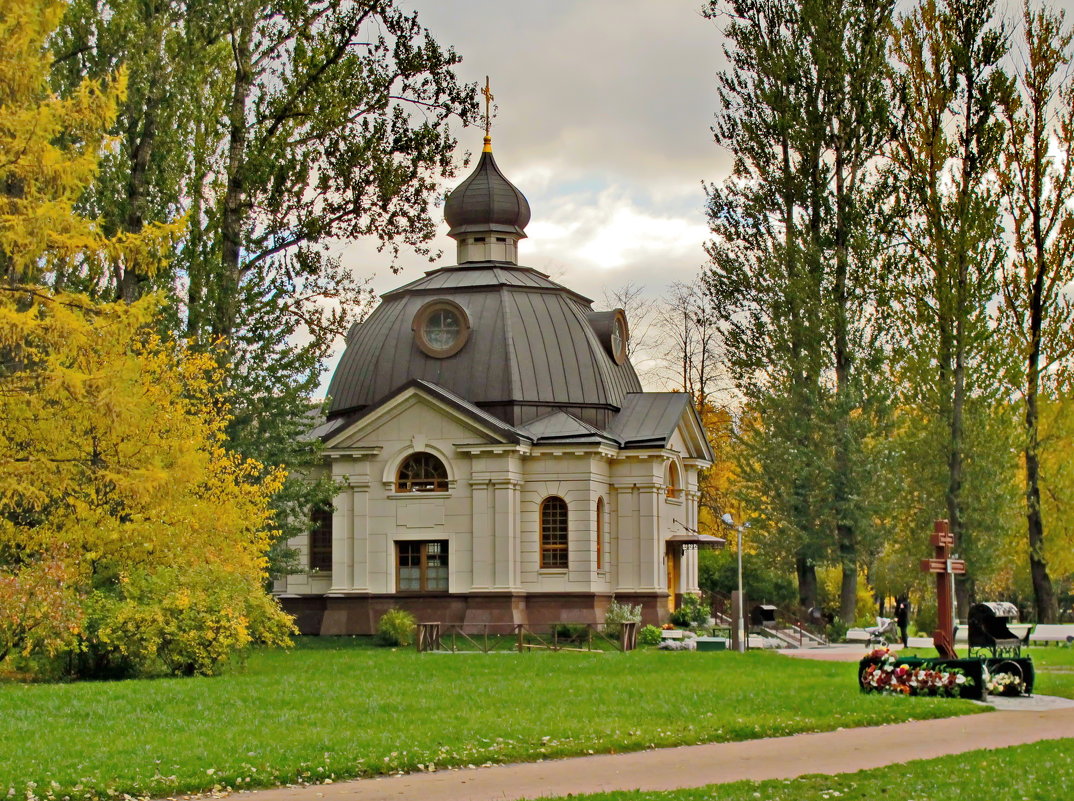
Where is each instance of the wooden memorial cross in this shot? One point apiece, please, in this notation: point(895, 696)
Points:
point(945, 568)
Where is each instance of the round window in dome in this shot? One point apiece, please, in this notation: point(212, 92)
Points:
point(620, 337)
point(441, 328)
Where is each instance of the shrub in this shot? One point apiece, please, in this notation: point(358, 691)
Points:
point(617, 614)
point(836, 631)
point(571, 632)
point(396, 628)
point(649, 635)
point(691, 612)
point(39, 612)
point(181, 621)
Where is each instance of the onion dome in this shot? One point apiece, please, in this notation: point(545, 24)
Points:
point(484, 209)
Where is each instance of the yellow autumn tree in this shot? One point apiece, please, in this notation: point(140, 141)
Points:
point(131, 539)
point(112, 459)
point(49, 152)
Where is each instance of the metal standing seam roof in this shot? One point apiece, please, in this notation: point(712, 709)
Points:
point(482, 274)
point(559, 426)
point(649, 418)
point(530, 341)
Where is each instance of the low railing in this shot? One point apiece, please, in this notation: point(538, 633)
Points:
point(490, 637)
point(788, 620)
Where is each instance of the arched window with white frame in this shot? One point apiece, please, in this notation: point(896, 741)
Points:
point(554, 552)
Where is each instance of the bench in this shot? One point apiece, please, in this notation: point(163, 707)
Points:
point(1047, 633)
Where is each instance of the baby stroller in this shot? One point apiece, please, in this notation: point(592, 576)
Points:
point(885, 627)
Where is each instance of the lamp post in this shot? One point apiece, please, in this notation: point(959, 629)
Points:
point(730, 521)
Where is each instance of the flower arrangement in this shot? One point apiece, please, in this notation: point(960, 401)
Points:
point(1004, 684)
point(885, 676)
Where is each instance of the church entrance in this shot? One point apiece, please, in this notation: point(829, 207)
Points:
point(674, 562)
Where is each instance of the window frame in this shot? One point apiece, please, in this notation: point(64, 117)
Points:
point(559, 549)
point(422, 317)
point(439, 484)
point(600, 532)
point(319, 556)
point(674, 488)
point(423, 566)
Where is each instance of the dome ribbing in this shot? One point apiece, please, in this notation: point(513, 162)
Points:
point(486, 202)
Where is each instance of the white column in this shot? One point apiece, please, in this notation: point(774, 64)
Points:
point(343, 539)
point(627, 546)
point(505, 533)
point(484, 546)
point(360, 536)
point(650, 538)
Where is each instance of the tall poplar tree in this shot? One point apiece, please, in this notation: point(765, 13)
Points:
point(951, 88)
point(805, 112)
point(1037, 177)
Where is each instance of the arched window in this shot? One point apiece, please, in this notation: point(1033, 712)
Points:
point(674, 480)
point(554, 533)
point(421, 472)
point(600, 533)
point(321, 537)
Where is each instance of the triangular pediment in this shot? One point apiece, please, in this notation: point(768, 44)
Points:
point(413, 402)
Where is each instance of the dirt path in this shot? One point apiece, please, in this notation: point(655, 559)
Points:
point(693, 766)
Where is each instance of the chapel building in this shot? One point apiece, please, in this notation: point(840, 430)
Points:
point(497, 459)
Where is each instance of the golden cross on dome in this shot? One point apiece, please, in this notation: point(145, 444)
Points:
point(487, 92)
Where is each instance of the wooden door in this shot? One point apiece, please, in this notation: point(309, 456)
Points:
point(673, 559)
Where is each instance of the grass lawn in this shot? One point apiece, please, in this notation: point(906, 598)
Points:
point(335, 709)
point(1039, 772)
point(1055, 670)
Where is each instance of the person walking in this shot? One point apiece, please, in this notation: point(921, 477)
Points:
point(902, 617)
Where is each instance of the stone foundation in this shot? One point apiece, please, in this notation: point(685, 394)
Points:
point(358, 614)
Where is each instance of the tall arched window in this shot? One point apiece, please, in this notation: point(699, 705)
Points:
point(674, 480)
point(554, 533)
point(320, 551)
point(421, 472)
point(600, 533)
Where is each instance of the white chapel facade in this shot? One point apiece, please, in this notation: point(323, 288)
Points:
point(497, 459)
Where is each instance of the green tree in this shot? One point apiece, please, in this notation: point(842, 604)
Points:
point(951, 88)
point(794, 255)
point(276, 130)
point(1036, 182)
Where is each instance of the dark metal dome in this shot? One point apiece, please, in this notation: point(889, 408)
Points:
point(531, 348)
point(486, 201)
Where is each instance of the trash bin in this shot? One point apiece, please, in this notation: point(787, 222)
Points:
point(763, 616)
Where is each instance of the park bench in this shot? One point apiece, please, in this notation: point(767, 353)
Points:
point(857, 635)
point(1047, 633)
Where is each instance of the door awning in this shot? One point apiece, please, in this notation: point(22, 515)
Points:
point(692, 541)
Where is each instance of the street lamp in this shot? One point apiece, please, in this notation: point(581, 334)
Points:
point(741, 624)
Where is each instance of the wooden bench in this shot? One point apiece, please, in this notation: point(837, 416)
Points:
point(1047, 633)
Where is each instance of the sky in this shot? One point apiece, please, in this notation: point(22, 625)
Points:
point(602, 116)
point(603, 110)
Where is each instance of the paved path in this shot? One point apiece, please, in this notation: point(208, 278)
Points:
point(833, 752)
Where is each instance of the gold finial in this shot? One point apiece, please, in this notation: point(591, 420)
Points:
point(487, 92)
